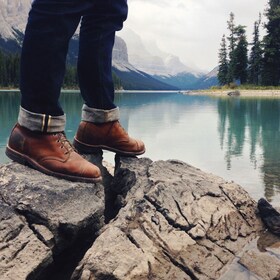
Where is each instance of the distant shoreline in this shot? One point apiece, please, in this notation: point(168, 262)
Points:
point(238, 92)
point(9, 89)
point(207, 92)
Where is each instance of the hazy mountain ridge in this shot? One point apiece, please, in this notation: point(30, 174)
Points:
point(131, 77)
point(209, 80)
point(167, 68)
point(148, 57)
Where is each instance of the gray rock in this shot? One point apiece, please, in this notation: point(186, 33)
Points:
point(169, 221)
point(22, 253)
point(176, 222)
point(265, 266)
point(43, 218)
point(234, 93)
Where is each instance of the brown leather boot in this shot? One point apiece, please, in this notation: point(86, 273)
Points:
point(51, 154)
point(110, 136)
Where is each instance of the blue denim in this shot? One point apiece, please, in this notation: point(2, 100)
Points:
point(50, 26)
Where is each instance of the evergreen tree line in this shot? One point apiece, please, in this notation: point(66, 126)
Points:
point(9, 73)
point(262, 65)
point(9, 69)
point(71, 78)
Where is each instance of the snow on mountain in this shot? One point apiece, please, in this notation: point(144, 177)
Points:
point(173, 63)
point(139, 56)
point(131, 77)
point(208, 80)
point(120, 57)
point(213, 73)
point(149, 58)
point(13, 16)
point(175, 66)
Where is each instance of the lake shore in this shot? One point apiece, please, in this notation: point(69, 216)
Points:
point(207, 92)
point(235, 92)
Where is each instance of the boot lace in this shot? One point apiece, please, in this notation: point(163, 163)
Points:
point(64, 142)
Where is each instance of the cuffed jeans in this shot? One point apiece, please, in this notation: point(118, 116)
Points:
point(50, 26)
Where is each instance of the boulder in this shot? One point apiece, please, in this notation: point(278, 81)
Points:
point(43, 219)
point(147, 220)
point(176, 222)
point(234, 93)
point(22, 253)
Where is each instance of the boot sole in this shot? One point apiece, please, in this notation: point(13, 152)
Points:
point(25, 160)
point(93, 149)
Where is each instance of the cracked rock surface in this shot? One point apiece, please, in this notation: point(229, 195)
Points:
point(165, 220)
point(22, 253)
point(177, 222)
point(42, 217)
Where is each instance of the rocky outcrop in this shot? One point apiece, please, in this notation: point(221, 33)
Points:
point(177, 223)
point(22, 253)
point(44, 220)
point(120, 51)
point(163, 220)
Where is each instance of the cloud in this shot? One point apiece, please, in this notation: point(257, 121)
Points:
point(191, 29)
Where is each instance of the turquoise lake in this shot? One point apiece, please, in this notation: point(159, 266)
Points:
point(235, 138)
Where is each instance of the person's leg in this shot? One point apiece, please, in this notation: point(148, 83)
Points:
point(97, 36)
point(100, 127)
point(38, 138)
point(50, 26)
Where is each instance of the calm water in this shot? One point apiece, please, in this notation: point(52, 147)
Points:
point(235, 138)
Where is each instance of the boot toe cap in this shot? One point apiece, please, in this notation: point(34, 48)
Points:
point(91, 171)
point(140, 146)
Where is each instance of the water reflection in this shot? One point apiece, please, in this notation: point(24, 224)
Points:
point(256, 121)
point(9, 104)
point(232, 113)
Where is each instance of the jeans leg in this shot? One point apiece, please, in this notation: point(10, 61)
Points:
point(97, 35)
point(50, 26)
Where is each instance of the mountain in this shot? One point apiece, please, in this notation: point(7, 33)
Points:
point(165, 67)
point(208, 80)
point(131, 77)
point(13, 15)
point(139, 65)
point(149, 58)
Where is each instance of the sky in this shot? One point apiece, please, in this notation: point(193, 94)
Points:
point(191, 29)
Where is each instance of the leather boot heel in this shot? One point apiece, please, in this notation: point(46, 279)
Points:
point(85, 149)
point(13, 155)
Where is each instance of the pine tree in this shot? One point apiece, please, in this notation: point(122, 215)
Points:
point(271, 60)
point(223, 63)
point(255, 60)
point(240, 55)
point(232, 45)
point(70, 77)
point(15, 62)
point(10, 65)
point(117, 81)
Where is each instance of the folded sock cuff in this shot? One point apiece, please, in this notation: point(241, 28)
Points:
point(98, 115)
point(41, 122)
